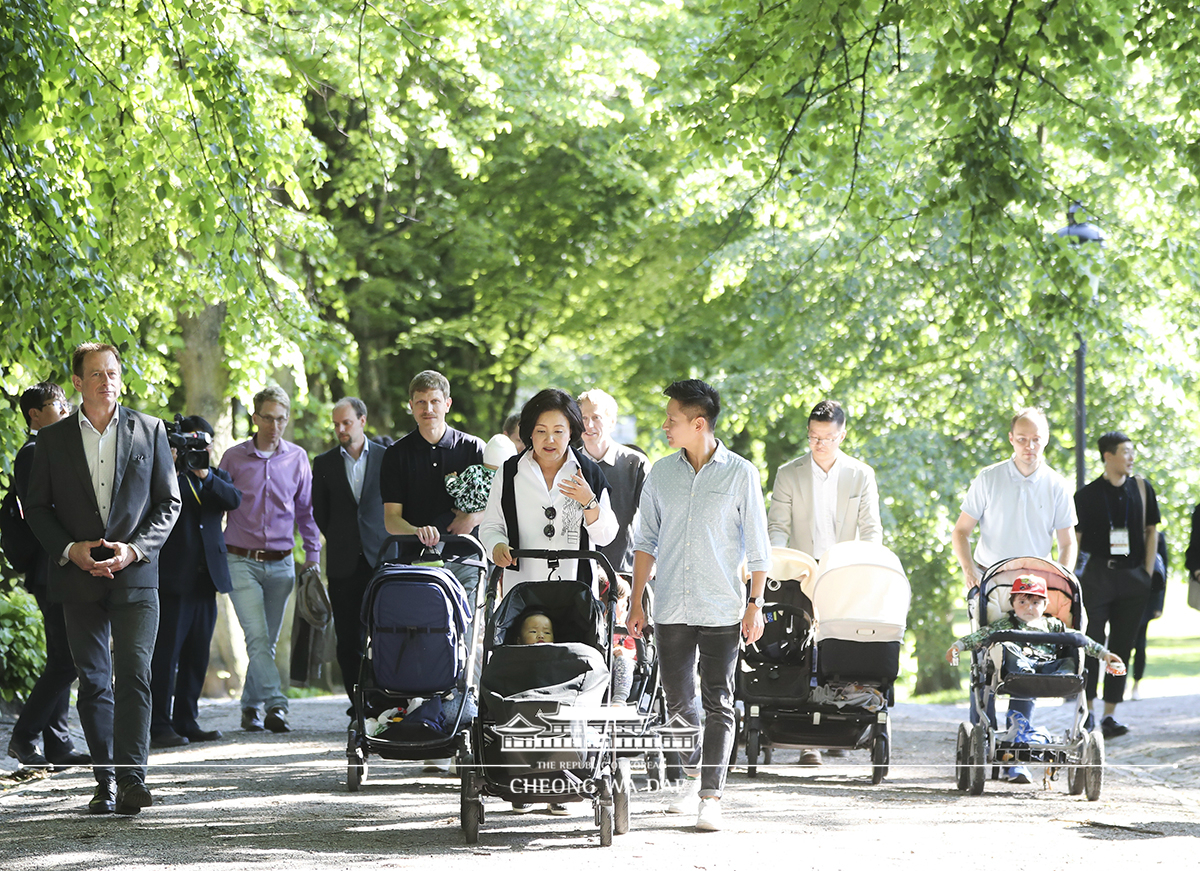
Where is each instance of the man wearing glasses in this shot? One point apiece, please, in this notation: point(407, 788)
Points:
point(45, 713)
point(825, 496)
point(275, 480)
point(822, 498)
point(1021, 507)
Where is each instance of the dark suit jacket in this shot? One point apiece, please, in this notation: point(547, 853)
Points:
point(349, 528)
point(62, 506)
point(35, 578)
point(198, 534)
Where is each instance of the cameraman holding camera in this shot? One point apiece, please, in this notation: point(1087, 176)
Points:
point(192, 569)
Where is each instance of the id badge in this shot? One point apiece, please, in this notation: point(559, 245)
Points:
point(1118, 542)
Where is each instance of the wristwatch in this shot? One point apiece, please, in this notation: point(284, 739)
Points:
point(759, 601)
point(593, 504)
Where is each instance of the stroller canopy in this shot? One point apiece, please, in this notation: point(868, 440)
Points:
point(1065, 599)
point(860, 593)
point(573, 610)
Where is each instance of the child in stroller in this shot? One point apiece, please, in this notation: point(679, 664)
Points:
point(1025, 647)
point(1029, 600)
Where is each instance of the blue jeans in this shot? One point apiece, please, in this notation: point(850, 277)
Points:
point(260, 594)
point(715, 650)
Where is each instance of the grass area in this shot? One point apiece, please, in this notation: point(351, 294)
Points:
point(1173, 651)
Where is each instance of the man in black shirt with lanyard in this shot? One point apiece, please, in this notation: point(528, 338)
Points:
point(1117, 533)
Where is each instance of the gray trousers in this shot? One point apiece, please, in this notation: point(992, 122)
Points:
point(714, 650)
point(114, 687)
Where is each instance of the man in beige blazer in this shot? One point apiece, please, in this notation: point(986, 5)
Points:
point(825, 496)
point(822, 498)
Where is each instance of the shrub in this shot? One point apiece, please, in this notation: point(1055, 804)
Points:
point(22, 644)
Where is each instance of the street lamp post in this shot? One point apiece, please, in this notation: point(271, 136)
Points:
point(1080, 233)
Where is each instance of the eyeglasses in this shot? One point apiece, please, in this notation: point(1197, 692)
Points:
point(56, 403)
point(548, 530)
point(832, 440)
point(272, 421)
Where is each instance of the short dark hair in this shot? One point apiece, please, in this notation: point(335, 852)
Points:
point(195, 423)
point(511, 423)
point(697, 399)
point(38, 395)
point(81, 351)
point(356, 405)
point(1110, 441)
point(551, 399)
point(828, 411)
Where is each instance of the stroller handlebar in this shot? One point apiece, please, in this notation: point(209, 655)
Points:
point(1071, 638)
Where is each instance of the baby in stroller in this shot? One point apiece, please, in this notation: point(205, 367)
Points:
point(1029, 599)
point(536, 628)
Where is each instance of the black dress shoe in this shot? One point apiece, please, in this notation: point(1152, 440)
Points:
point(1110, 728)
point(68, 758)
point(202, 735)
point(132, 796)
point(277, 720)
point(251, 720)
point(170, 738)
point(104, 799)
point(27, 753)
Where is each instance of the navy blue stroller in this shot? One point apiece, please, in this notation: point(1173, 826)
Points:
point(418, 646)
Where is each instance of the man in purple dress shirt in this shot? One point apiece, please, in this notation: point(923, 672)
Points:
point(275, 480)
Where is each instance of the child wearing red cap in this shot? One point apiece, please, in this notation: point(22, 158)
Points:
point(1029, 599)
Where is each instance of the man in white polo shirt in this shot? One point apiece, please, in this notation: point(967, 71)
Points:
point(1021, 507)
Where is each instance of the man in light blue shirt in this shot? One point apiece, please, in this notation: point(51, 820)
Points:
point(701, 513)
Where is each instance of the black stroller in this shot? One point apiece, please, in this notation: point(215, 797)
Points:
point(418, 647)
point(825, 676)
point(542, 733)
point(983, 747)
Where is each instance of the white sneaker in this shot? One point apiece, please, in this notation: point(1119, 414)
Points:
point(1135, 695)
point(708, 817)
point(688, 799)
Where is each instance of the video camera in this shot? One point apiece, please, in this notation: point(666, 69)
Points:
point(191, 448)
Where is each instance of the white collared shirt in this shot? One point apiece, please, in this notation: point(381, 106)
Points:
point(533, 499)
point(100, 448)
point(825, 486)
point(356, 470)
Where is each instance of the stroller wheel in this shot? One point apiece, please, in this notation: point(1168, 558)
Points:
point(962, 758)
point(880, 754)
point(621, 788)
point(606, 812)
point(1093, 760)
point(356, 773)
point(979, 760)
point(470, 805)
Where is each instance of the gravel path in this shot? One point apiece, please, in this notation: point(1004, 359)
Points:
point(265, 800)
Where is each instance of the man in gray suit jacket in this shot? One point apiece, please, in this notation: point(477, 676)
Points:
point(825, 496)
point(102, 500)
point(348, 510)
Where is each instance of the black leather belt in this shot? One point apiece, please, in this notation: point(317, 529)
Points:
point(263, 556)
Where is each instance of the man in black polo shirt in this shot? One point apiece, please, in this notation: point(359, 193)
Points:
point(412, 481)
point(1118, 539)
